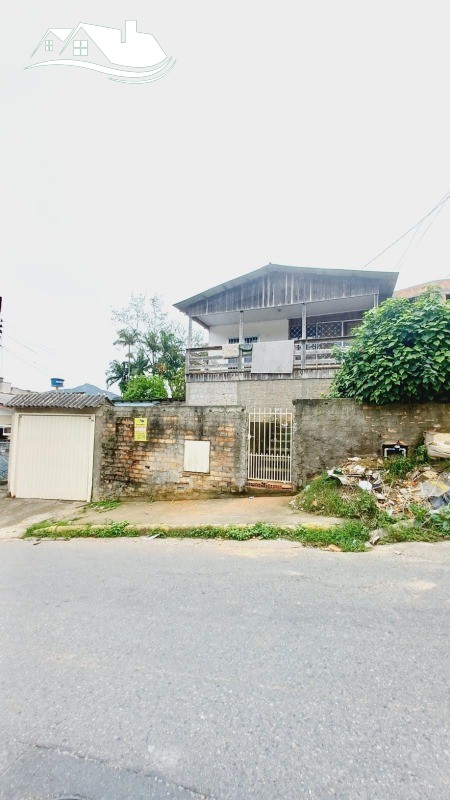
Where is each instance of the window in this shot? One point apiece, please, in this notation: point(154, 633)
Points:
point(232, 362)
point(247, 340)
point(49, 44)
point(5, 432)
point(80, 47)
point(323, 330)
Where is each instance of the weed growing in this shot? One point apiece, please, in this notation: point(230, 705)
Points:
point(325, 495)
point(349, 537)
point(103, 505)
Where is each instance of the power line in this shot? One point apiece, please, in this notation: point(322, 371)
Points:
point(33, 366)
point(36, 344)
point(8, 336)
point(412, 228)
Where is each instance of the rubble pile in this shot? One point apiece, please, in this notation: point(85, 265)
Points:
point(423, 486)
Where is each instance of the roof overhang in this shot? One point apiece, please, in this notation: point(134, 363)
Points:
point(385, 280)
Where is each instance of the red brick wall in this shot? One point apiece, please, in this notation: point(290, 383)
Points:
point(155, 467)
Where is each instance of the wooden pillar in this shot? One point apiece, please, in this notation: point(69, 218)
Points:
point(241, 327)
point(189, 344)
point(303, 361)
point(241, 340)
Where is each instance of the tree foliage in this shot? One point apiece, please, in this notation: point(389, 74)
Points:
point(151, 343)
point(400, 354)
point(145, 387)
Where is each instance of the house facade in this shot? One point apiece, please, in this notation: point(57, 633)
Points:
point(273, 333)
point(273, 336)
point(413, 292)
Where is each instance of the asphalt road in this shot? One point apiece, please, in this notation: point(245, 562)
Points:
point(140, 669)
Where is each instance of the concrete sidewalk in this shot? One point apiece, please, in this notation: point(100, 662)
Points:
point(17, 514)
point(222, 511)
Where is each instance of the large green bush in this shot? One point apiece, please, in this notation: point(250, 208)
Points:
point(401, 353)
point(145, 387)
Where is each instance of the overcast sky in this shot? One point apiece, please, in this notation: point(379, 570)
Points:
point(300, 133)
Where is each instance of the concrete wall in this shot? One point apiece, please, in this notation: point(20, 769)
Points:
point(328, 431)
point(267, 331)
point(256, 393)
point(156, 467)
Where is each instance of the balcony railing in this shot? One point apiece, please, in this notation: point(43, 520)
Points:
point(308, 353)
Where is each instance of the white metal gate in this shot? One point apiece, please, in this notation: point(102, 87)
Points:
point(270, 445)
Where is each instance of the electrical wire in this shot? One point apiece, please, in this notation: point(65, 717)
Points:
point(36, 344)
point(29, 363)
point(412, 228)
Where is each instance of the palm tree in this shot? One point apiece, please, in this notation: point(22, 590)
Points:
point(118, 372)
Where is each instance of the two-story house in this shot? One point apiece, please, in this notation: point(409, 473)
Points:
point(273, 335)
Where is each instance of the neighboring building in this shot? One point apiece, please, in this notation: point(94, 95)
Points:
point(413, 292)
point(273, 333)
point(89, 388)
point(7, 392)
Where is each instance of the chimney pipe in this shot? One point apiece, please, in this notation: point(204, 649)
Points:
point(130, 28)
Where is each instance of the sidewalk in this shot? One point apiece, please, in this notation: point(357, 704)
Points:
point(16, 515)
point(192, 513)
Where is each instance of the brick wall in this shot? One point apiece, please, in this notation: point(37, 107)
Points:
point(155, 467)
point(256, 393)
point(328, 431)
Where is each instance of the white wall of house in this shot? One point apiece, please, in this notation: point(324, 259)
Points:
point(268, 331)
point(5, 417)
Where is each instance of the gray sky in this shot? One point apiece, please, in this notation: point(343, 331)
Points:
point(301, 133)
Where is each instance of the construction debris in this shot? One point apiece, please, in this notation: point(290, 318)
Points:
point(423, 486)
point(437, 444)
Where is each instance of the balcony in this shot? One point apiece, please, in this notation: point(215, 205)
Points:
point(312, 358)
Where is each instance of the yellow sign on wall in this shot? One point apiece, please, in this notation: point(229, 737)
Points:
point(140, 429)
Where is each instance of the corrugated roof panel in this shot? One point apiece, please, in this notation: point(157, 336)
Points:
point(58, 400)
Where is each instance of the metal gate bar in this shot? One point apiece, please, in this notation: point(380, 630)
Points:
point(270, 445)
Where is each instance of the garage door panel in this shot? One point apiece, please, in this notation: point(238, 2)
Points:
point(54, 456)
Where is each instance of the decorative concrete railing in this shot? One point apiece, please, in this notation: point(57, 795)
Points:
point(308, 353)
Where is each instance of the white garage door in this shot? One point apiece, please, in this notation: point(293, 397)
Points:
point(53, 456)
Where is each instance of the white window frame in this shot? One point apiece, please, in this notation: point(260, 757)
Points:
point(247, 340)
point(80, 47)
point(49, 45)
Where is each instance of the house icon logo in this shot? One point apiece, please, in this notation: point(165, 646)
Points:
point(126, 56)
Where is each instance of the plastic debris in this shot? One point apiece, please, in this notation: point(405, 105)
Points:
point(423, 486)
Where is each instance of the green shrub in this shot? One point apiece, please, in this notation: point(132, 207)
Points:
point(325, 495)
point(145, 387)
point(400, 353)
point(178, 385)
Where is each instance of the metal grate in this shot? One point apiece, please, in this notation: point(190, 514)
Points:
point(270, 445)
point(295, 330)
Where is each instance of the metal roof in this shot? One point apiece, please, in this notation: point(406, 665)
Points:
point(389, 278)
point(89, 388)
point(57, 399)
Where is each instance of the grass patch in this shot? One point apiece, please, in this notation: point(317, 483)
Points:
point(38, 527)
point(398, 467)
point(349, 537)
point(103, 505)
point(325, 495)
point(110, 531)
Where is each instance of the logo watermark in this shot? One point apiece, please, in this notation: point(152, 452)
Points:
point(126, 56)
